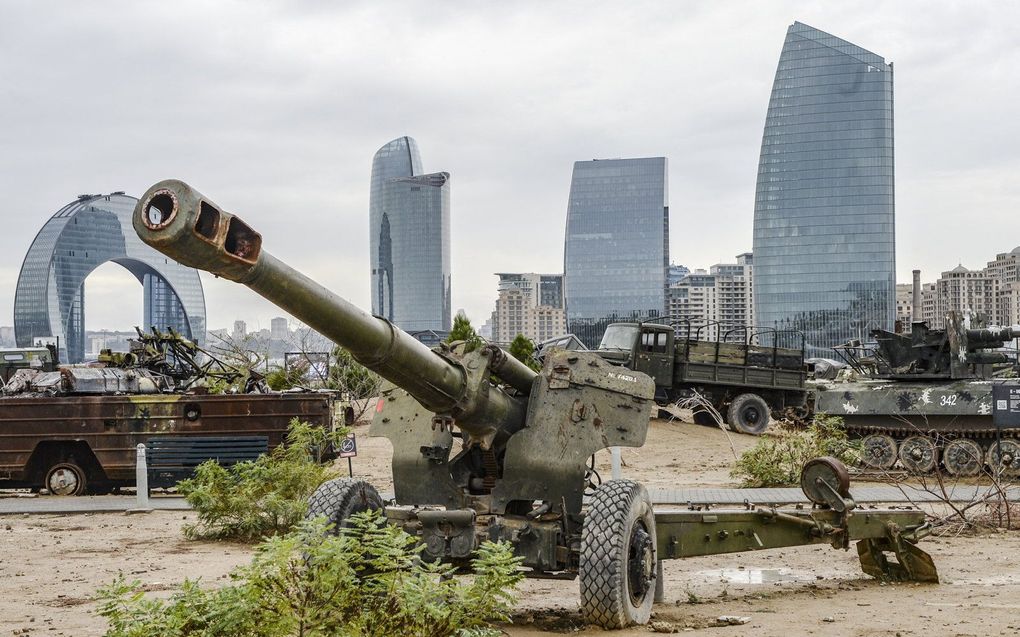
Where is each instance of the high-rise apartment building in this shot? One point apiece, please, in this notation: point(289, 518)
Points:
point(616, 252)
point(1005, 269)
point(279, 329)
point(717, 304)
point(409, 236)
point(904, 305)
point(530, 304)
point(824, 242)
point(991, 295)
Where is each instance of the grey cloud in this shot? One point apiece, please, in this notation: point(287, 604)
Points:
point(274, 109)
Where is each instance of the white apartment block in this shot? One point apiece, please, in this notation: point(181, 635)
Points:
point(904, 305)
point(530, 304)
point(717, 304)
point(993, 292)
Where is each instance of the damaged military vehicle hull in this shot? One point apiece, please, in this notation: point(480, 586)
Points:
point(926, 401)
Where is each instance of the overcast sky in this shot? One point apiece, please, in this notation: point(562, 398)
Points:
point(274, 110)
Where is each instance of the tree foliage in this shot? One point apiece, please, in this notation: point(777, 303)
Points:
point(777, 459)
point(367, 581)
point(523, 349)
point(253, 499)
point(463, 331)
point(353, 380)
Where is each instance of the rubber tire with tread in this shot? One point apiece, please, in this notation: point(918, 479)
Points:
point(70, 466)
point(337, 500)
point(613, 513)
point(735, 417)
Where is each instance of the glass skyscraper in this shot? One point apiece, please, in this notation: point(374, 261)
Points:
point(616, 252)
point(409, 235)
point(824, 240)
point(50, 297)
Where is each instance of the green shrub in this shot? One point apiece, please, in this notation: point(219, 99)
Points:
point(368, 581)
point(251, 500)
point(776, 460)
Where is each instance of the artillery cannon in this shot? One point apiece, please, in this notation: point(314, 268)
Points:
point(519, 473)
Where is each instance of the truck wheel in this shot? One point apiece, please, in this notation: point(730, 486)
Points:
point(337, 500)
point(748, 414)
point(65, 478)
point(618, 556)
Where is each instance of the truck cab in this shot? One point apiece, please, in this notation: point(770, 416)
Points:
point(643, 347)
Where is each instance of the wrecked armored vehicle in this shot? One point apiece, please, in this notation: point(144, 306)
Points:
point(924, 399)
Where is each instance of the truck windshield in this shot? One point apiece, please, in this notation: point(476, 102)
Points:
point(620, 337)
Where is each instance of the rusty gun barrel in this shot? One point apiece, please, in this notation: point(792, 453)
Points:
point(180, 222)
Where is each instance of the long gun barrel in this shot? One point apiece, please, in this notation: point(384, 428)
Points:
point(180, 222)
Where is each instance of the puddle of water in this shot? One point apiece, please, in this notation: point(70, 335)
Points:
point(756, 575)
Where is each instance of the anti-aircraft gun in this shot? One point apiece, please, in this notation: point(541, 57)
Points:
point(926, 398)
point(486, 448)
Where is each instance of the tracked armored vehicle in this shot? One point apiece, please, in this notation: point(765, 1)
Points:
point(925, 399)
point(484, 448)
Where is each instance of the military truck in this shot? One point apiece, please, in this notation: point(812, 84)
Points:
point(744, 381)
point(73, 430)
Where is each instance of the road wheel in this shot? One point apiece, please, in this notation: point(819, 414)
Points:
point(963, 457)
point(618, 556)
point(337, 500)
point(748, 414)
point(879, 451)
point(919, 454)
point(65, 478)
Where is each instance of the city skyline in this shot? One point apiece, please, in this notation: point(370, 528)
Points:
point(279, 130)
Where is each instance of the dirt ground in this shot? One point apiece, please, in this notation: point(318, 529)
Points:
point(50, 566)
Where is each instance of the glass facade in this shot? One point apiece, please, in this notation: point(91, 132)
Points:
point(409, 234)
point(824, 238)
point(81, 236)
point(616, 252)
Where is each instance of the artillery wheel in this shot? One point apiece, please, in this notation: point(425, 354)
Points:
point(963, 457)
point(337, 500)
point(828, 470)
point(618, 556)
point(879, 451)
point(65, 478)
point(919, 454)
point(1010, 464)
point(749, 414)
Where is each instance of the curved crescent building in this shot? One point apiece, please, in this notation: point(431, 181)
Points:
point(824, 240)
point(81, 236)
point(409, 235)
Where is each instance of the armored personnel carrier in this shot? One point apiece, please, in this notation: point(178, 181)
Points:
point(925, 399)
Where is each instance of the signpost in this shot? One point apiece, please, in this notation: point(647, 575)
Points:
point(1005, 412)
point(349, 449)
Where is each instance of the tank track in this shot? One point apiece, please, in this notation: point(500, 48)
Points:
point(954, 445)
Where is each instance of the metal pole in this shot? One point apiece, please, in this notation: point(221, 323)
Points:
point(141, 480)
point(617, 462)
point(659, 584)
